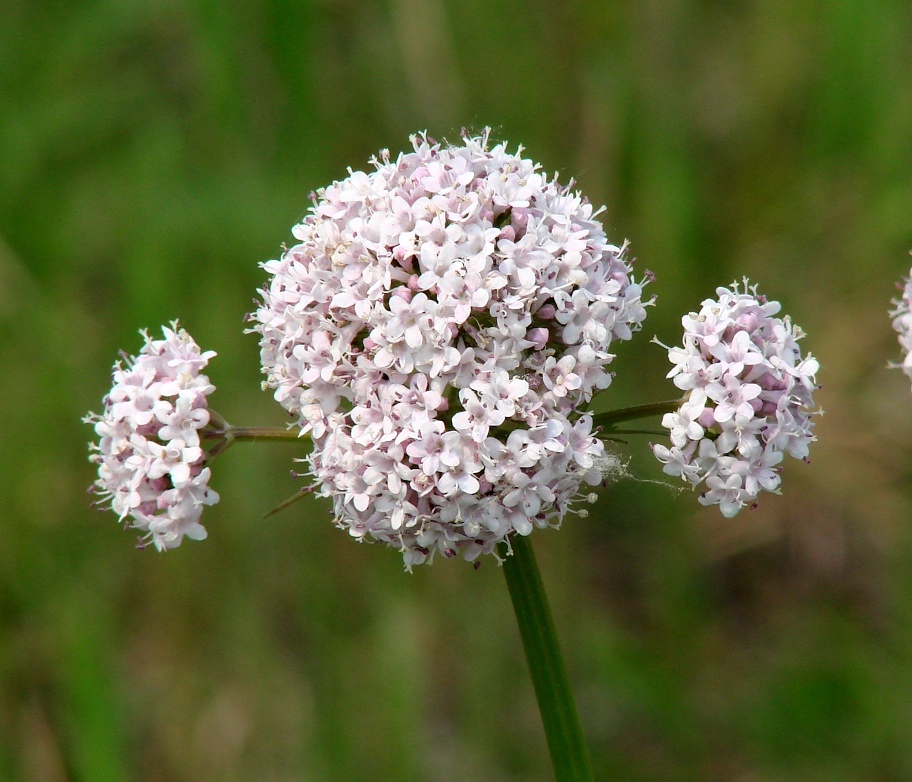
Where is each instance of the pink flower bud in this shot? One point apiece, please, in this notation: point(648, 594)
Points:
point(402, 292)
point(538, 337)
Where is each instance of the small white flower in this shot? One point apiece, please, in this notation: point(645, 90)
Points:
point(478, 414)
point(749, 399)
point(150, 463)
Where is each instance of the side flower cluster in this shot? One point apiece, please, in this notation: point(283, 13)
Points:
point(150, 463)
point(902, 323)
point(436, 330)
point(748, 399)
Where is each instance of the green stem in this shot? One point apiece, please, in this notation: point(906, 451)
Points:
point(263, 433)
point(225, 434)
point(569, 756)
point(608, 420)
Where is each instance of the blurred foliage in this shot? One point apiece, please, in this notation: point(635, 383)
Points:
point(154, 152)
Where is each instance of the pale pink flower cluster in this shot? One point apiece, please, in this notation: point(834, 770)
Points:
point(902, 323)
point(150, 463)
point(436, 331)
point(748, 399)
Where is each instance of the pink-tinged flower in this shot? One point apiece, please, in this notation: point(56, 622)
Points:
point(437, 330)
point(151, 469)
point(748, 400)
point(902, 323)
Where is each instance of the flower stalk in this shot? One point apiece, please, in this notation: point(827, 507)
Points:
point(608, 420)
point(569, 756)
point(264, 433)
point(225, 434)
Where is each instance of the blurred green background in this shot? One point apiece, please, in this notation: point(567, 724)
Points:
point(153, 153)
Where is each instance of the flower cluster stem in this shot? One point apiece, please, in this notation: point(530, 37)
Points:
point(262, 433)
point(225, 434)
point(569, 756)
point(608, 420)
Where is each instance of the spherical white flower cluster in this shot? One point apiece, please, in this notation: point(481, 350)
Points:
point(436, 330)
point(748, 399)
point(902, 323)
point(150, 463)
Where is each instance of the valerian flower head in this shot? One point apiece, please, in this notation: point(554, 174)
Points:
point(902, 323)
point(151, 467)
point(748, 399)
point(436, 330)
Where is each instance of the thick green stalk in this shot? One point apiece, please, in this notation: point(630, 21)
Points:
point(569, 756)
